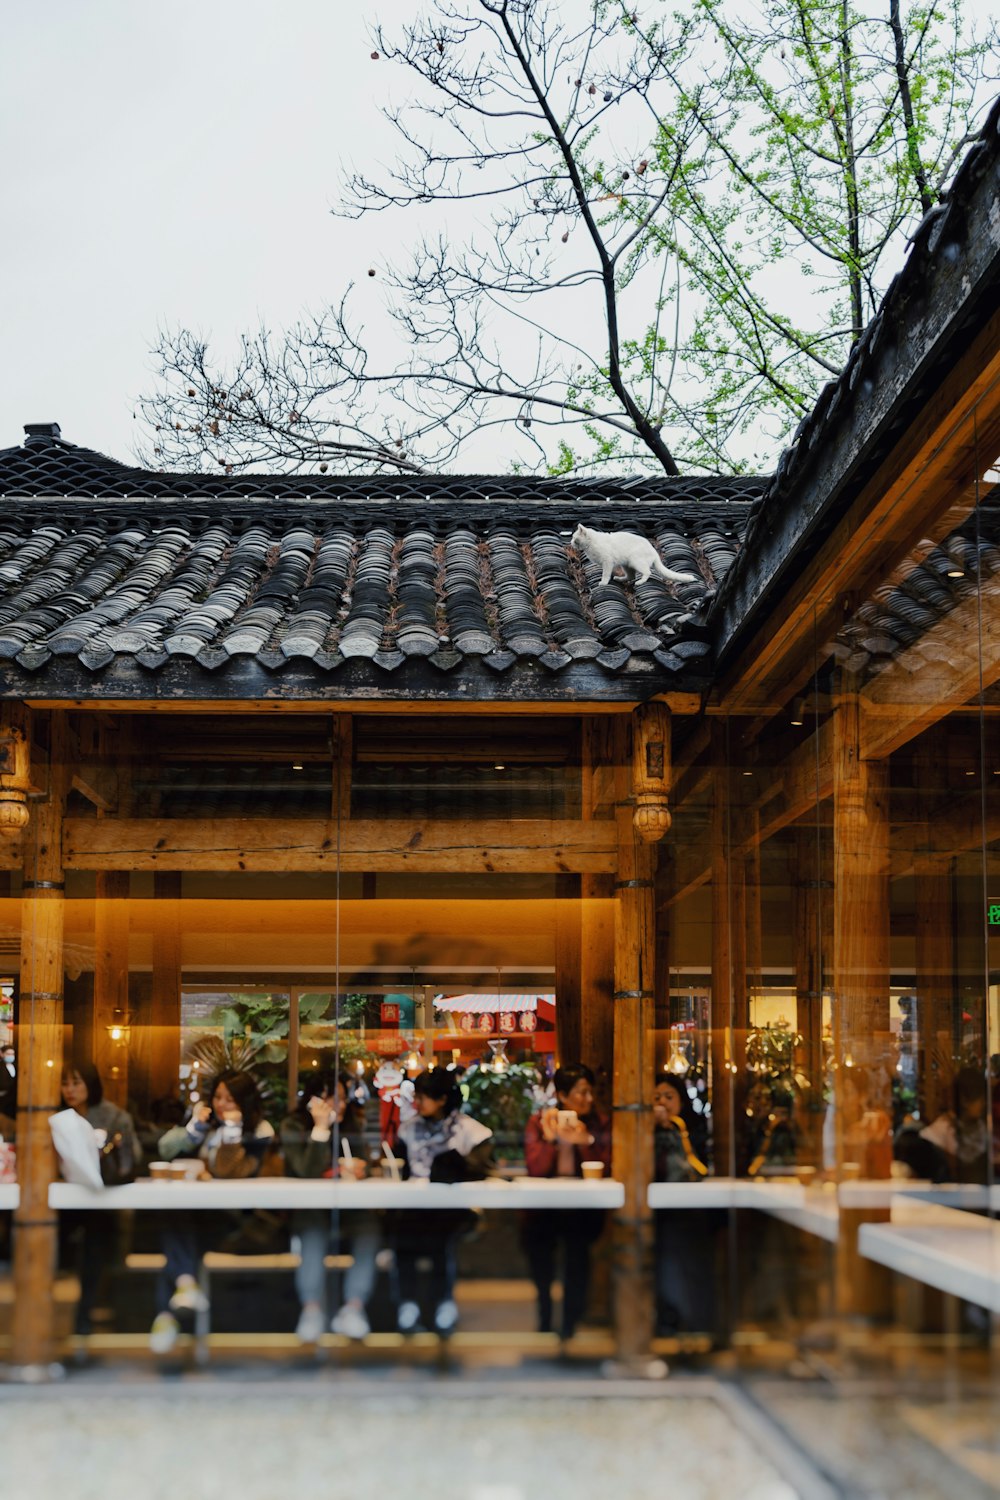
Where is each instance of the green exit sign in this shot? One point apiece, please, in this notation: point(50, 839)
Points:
point(993, 915)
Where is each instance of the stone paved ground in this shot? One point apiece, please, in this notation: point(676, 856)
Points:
point(254, 1443)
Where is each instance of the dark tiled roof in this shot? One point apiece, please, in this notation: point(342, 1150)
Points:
point(901, 614)
point(123, 582)
point(945, 293)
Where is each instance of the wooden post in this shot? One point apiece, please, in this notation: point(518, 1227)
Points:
point(165, 1006)
point(635, 966)
point(597, 914)
point(567, 965)
point(860, 973)
point(807, 917)
point(730, 1005)
point(861, 892)
point(40, 1067)
point(597, 964)
point(111, 999)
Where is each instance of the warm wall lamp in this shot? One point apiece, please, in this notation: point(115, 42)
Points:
point(119, 1028)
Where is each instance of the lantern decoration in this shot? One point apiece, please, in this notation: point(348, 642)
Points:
point(499, 1062)
point(508, 1021)
point(651, 771)
point(467, 1021)
point(677, 1064)
point(529, 1021)
point(484, 1023)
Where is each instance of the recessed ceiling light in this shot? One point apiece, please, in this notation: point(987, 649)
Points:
point(499, 766)
point(955, 573)
point(296, 765)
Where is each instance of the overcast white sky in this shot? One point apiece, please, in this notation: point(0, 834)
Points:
point(174, 164)
point(167, 164)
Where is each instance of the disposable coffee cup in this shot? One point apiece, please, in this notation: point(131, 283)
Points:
point(806, 1175)
point(177, 1171)
point(850, 1171)
point(592, 1171)
point(159, 1171)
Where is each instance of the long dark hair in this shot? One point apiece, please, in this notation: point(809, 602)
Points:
point(315, 1085)
point(90, 1076)
point(243, 1087)
point(439, 1083)
point(566, 1078)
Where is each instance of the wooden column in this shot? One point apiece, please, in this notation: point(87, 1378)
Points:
point(635, 964)
point(730, 1002)
point(111, 1001)
point(165, 1006)
point(861, 891)
point(597, 965)
point(603, 743)
point(860, 975)
point(567, 965)
point(807, 937)
point(39, 1065)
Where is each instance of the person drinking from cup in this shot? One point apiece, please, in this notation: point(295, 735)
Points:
point(324, 1137)
point(231, 1138)
point(559, 1141)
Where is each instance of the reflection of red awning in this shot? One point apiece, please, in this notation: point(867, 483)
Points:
point(492, 1003)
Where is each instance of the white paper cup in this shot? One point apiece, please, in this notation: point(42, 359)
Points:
point(592, 1171)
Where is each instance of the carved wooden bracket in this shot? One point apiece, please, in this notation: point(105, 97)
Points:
point(651, 771)
point(15, 766)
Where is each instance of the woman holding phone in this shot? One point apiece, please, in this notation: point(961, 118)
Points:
point(557, 1141)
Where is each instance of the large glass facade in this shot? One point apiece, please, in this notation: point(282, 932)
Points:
point(788, 1008)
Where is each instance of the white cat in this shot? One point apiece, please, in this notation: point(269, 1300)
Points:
point(623, 549)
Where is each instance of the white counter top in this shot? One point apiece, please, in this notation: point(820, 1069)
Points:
point(813, 1209)
point(10, 1195)
point(297, 1192)
point(961, 1259)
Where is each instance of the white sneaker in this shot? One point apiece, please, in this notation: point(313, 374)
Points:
point(408, 1317)
point(309, 1329)
point(163, 1334)
point(446, 1317)
point(351, 1323)
point(188, 1296)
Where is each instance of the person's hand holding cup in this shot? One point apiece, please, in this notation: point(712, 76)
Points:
point(353, 1168)
point(322, 1111)
point(570, 1129)
point(202, 1113)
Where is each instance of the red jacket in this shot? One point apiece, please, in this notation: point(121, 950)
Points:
point(542, 1157)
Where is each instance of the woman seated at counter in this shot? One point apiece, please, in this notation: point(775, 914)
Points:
point(231, 1138)
point(685, 1282)
point(121, 1155)
point(557, 1140)
point(444, 1145)
point(325, 1136)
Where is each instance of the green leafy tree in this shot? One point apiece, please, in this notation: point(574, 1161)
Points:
point(677, 224)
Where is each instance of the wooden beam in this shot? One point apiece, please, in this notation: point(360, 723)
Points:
point(39, 1049)
point(678, 703)
point(98, 783)
point(730, 1000)
point(940, 672)
point(231, 844)
point(910, 497)
point(566, 944)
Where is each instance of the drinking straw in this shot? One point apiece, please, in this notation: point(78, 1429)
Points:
point(393, 1169)
point(345, 1147)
